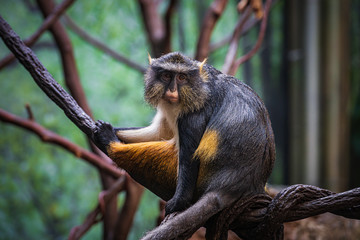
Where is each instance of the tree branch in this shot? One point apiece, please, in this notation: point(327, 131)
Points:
point(248, 25)
point(212, 16)
point(167, 21)
point(45, 81)
point(126, 216)
point(51, 137)
point(154, 26)
point(96, 215)
point(98, 44)
point(259, 41)
point(60, 9)
point(234, 43)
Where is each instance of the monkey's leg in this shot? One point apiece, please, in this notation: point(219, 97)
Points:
point(152, 164)
point(178, 227)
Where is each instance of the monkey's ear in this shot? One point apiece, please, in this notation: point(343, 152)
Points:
point(150, 59)
point(203, 73)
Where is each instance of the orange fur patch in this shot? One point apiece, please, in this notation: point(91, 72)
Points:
point(208, 146)
point(153, 164)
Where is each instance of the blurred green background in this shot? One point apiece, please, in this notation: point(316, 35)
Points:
point(45, 191)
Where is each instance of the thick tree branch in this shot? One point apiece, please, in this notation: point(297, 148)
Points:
point(98, 44)
point(44, 79)
point(60, 9)
point(259, 216)
point(51, 137)
point(63, 42)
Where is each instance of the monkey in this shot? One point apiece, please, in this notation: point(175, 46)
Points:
point(213, 131)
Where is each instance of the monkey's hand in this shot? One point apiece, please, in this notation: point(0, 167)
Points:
point(103, 135)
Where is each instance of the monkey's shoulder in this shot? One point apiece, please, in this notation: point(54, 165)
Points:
point(225, 85)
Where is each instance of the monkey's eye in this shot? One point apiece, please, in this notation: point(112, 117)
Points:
point(166, 77)
point(181, 78)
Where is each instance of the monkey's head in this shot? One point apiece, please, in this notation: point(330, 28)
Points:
point(177, 80)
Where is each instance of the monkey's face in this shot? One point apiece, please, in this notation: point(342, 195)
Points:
point(177, 80)
point(172, 83)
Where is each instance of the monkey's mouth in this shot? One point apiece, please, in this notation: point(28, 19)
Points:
point(172, 99)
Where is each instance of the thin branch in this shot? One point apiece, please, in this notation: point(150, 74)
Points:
point(212, 16)
point(60, 9)
point(234, 43)
point(96, 215)
point(92, 218)
point(51, 137)
point(126, 216)
point(98, 44)
point(259, 41)
point(29, 112)
point(245, 29)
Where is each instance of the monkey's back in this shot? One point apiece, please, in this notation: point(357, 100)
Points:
point(241, 130)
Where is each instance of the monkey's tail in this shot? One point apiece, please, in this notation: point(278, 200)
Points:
point(184, 224)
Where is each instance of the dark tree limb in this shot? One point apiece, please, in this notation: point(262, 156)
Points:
point(98, 44)
point(71, 75)
point(45, 81)
point(60, 9)
point(294, 203)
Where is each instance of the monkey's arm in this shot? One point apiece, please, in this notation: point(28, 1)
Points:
point(191, 129)
point(157, 131)
point(152, 164)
